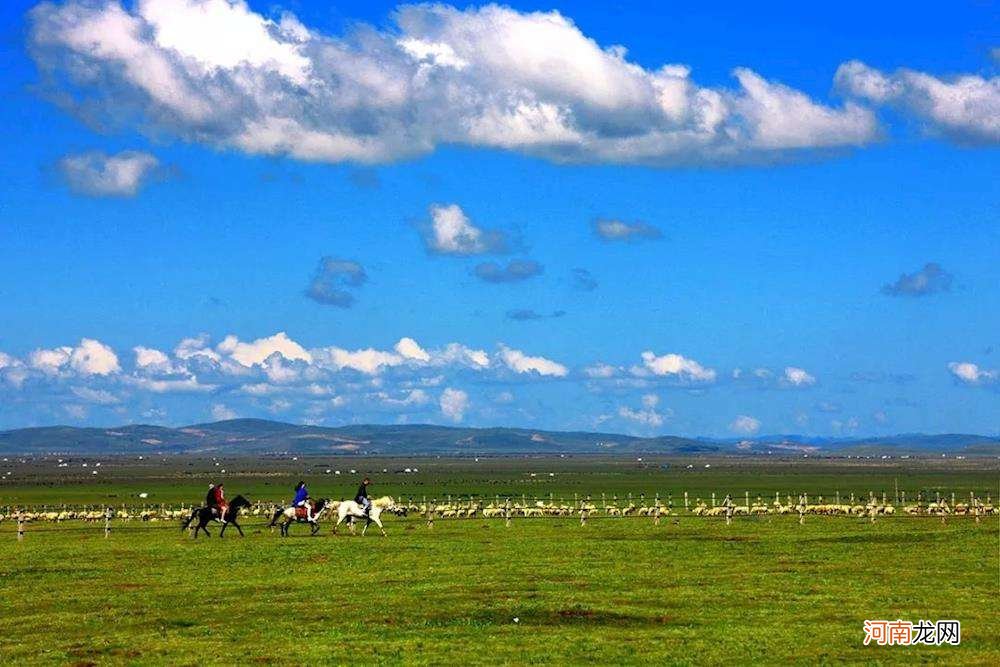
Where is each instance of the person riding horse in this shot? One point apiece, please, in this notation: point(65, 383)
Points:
point(216, 500)
point(361, 497)
point(302, 500)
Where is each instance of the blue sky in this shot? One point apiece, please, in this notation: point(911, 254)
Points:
point(562, 234)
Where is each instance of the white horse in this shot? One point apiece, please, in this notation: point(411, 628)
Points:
point(352, 510)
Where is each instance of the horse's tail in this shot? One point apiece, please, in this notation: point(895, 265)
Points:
point(274, 519)
point(187, 522)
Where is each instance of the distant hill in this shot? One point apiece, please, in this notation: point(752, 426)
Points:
point(260, 436)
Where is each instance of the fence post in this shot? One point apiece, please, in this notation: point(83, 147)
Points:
point(506, 513)
point(713, 498)
point(686, 506)
point(107, 523)
point(747, 499)
point(20, 528)
point(430, 513)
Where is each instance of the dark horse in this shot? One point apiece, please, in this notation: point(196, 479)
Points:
point(206, 514)
point(288, 515)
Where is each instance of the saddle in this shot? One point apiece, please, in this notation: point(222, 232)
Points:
point(300, 512)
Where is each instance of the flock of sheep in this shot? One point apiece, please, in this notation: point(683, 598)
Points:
point(511, 508)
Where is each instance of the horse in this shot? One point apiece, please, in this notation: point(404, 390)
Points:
point(290, 516)
point(206, 514)
point(352, 510)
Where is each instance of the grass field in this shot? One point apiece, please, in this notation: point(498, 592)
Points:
point(690, 591)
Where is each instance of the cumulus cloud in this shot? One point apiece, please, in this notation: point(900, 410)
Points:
point(931, 279)
point(515, 271)
point(450, 232)
point(647, 415)
point(965, 108)
point(601, 371)
point(333, 281)
point(584, 280)
point(519, 362)
point(454, 403)
point(616, 230)
point(257, 351)
point(488, 76)
point(98, 174)
point(745, 424)
point(674, 365)
point(798, 377)
point(971, 373)
point(90, 357)
point(221, 413)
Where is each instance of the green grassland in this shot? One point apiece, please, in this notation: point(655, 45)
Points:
point(689, 591)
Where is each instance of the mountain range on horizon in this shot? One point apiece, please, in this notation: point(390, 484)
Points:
point(260, 436)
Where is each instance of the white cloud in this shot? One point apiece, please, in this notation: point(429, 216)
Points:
point(454, 403)
point(98, 396)
point(90, 357)
point(487, 77)
point(648, 415)
point(451, 233)
point(965, 107)
point(675, 365)
point(257, 351)
point(745, 424)
point(413, 397)
point(971, 373)
point(519, 362)
point(178, 386)
point(410, 349)
point(798, 377)
point(101, 175)
point(368, 361)
point(617, 230)
point(221, 413)
point(600, 370)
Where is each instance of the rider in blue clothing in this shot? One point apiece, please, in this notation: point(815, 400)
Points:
point(302, 499)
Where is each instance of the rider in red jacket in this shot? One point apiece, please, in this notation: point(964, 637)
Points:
point(220, 501)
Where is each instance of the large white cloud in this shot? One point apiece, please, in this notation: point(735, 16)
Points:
point(454, 403)
point(519, 362)
point(257, 351)
point(489, 76)
point(674, 365)
point(965, 107)
point(90, 357)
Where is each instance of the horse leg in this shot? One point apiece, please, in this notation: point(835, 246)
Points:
point(315, 528)
point(364, 530)
point(222, 532)
point(378, 522)
point(239, 529)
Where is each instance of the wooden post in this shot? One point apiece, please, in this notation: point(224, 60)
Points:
point(584, 511)
point(713, 498)
point(656, 514)
point(20, 528)
point(838, 496)
point(430, 513)
point(107, 523)
point(747, 499)
point(506, 513)
point(686, 506)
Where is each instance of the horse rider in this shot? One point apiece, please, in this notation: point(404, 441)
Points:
point(217, 500)
point(361, 497)
point(302, 500)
